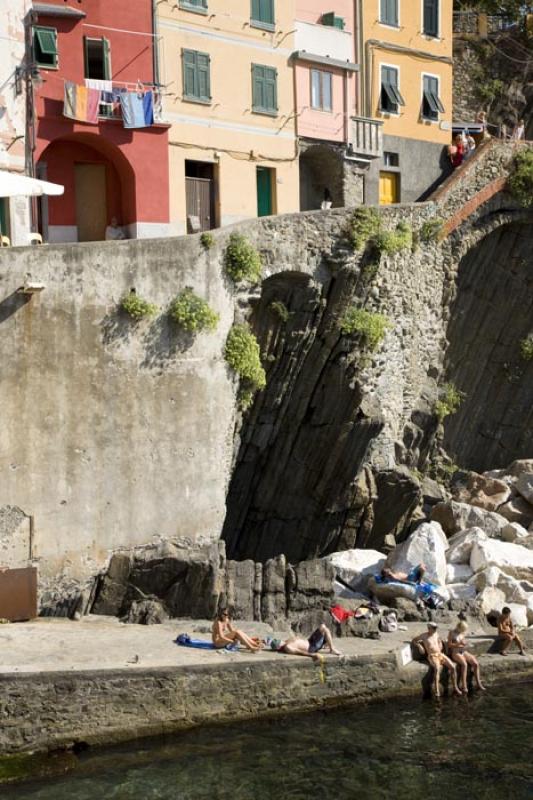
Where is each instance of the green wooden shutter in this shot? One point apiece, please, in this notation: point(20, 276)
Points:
point(47, 40)
point(189, 73)
point(107, 58)
point(431, 17)
point(256, 10)
point(258, 83)
point(271, 89)
point(262, 11)
point(202, 69)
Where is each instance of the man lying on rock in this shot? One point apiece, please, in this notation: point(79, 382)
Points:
point(430, 645)
point(298, 646)
point(414, 576)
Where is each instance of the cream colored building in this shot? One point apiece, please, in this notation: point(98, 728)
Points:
point(229, 98)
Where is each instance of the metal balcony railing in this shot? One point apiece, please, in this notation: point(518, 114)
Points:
point(366, 138)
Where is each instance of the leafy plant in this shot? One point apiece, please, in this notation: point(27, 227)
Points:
point(391, 242)
point(450, 399)
point(363, 225)
point(242, 261)
point(526, 347)
point(491, 89)
point(370, 325)
point(521, 180)
point(193, 313)
point(136, 307)
point(280, 309)
point(431, 229)
point(207, 240)
point(243, 355)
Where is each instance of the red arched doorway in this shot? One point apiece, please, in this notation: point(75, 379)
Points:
point(99, 185)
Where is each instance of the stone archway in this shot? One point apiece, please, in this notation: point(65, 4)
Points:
point(321, 170)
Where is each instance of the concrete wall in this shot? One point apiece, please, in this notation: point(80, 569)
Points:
point(422, 165)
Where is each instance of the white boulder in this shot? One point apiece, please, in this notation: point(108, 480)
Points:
point(460, 545)
point(461, 591)
point(519, 466)
point(517, 510)
point(486, 577)
point(519, 615)
point(490, 600)
point(530, 610)
point(514, 591)
point(513, 559)
point(513, 532)
point(427, 545)
point(458, 573)
point(355, 566)
point(456, 517)
point(524, 486)
point(480, 490)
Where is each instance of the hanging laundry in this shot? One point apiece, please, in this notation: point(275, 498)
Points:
point(81, 103)
point(158, 107)
point(148, 108)
point(137, 109)
point(106, 87)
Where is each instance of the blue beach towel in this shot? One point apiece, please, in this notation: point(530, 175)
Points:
point(185, 641)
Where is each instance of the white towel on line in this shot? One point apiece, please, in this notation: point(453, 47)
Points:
point(102, 86)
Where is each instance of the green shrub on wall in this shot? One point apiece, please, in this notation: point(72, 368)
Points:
point(363, 225)
point(526, 347)
point(242, 261)
point(520, 182)
point(243, 355)
point(431, 229)
point(136, 307)
point(395, 241)
point(207, 240)
point(280, 310)
point(193, 313)
point(450, 399)
point(370, 325)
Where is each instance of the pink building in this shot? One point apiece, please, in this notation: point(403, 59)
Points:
point(336, 144)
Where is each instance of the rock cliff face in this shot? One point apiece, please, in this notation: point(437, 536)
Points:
point(491, 314)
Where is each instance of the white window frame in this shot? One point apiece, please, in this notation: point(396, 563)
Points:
point(321, 107)
point(387, 24)
point(438, 79)
point(427, 36)
point(382, 111)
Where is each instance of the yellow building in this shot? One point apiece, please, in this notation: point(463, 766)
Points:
point(229, 98)
point(405, 55)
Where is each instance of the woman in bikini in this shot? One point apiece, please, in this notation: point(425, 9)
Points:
point(460, 655)
point(224, 633)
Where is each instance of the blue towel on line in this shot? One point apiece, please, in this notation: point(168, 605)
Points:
point(185, 641)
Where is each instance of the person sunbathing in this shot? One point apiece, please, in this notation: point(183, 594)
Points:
point(224, 633)
point(298, 646)
point(460, 655)
point(430, 645)
point(414, 576)
point(507, 633)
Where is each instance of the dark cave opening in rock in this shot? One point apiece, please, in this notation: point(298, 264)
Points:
point(491, 314)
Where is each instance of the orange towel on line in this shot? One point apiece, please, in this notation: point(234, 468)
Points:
point(81, 103)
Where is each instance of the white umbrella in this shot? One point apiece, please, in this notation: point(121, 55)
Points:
point(13, 185)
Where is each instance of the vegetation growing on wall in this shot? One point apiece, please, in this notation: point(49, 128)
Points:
point(242, 261)
point(521, 180)
point(207, 240)
point(431, 229)
point(526, 347)
point(450, 399)
point(280, 310)
point(368, 324)
point(193, 313)
point(136, 306)
point(362, 227)
point(243, 355)
point(395, 241)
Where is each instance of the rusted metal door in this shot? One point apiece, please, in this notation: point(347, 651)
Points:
point(199, 193)
point(18, 594)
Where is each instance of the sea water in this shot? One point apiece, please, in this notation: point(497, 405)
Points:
point(478, 747)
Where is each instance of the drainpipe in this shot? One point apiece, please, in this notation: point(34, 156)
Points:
point(155, 45)
point(361, 77)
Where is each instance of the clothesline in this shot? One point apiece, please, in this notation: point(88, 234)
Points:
point(122, 30)
point(135, 84)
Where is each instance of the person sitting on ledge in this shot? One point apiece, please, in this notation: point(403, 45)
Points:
point(459, 654)
point(224, 633)
point(430, 645)
point(414, 576)
point(507, 634)
point(298, 646)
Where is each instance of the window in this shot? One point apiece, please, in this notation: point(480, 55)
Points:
point(196, 76)
point(321, 90)
point(45, 46)
point(97, 59)
point(391, 159)
point(200, 6)
point(264, 89)
point(431, 18)
point(390, 93)
point(332, 19)
point(388, 12)
point(262, 14)
point(431, 104)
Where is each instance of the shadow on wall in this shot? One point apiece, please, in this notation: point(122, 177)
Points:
point(161, 339)
point(491, 315)
point(12, 303)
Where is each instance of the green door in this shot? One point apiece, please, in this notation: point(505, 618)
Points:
point(264, 192)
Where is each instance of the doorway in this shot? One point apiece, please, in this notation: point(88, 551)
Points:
point(389, 188)
point(265, 191)
point(200, 190)
point(91, 202)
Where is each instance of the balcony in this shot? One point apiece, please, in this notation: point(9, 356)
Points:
point(323, 41)
point(366, 138)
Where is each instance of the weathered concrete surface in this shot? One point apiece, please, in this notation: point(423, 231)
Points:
point(64, 682)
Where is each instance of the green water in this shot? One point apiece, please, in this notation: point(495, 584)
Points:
point(473, 748)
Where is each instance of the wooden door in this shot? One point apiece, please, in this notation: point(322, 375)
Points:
point(264, 192)
point(91, 203)
point(389, 188)
point(200, 204)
